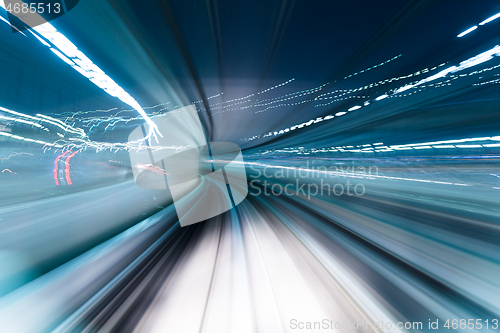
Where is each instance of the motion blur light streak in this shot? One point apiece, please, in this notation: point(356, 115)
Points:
point(368, 193)
point(84, 66)
point(56, 167)
point(467, 31)
point(66, 170)
point(488, 20)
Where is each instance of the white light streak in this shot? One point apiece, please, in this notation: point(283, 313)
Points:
point(488, 20)
point(381, 97)
point(467, 31)
point(67, 50)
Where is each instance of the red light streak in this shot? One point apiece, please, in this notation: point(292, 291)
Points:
point(57, 167)
point(68, 178)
